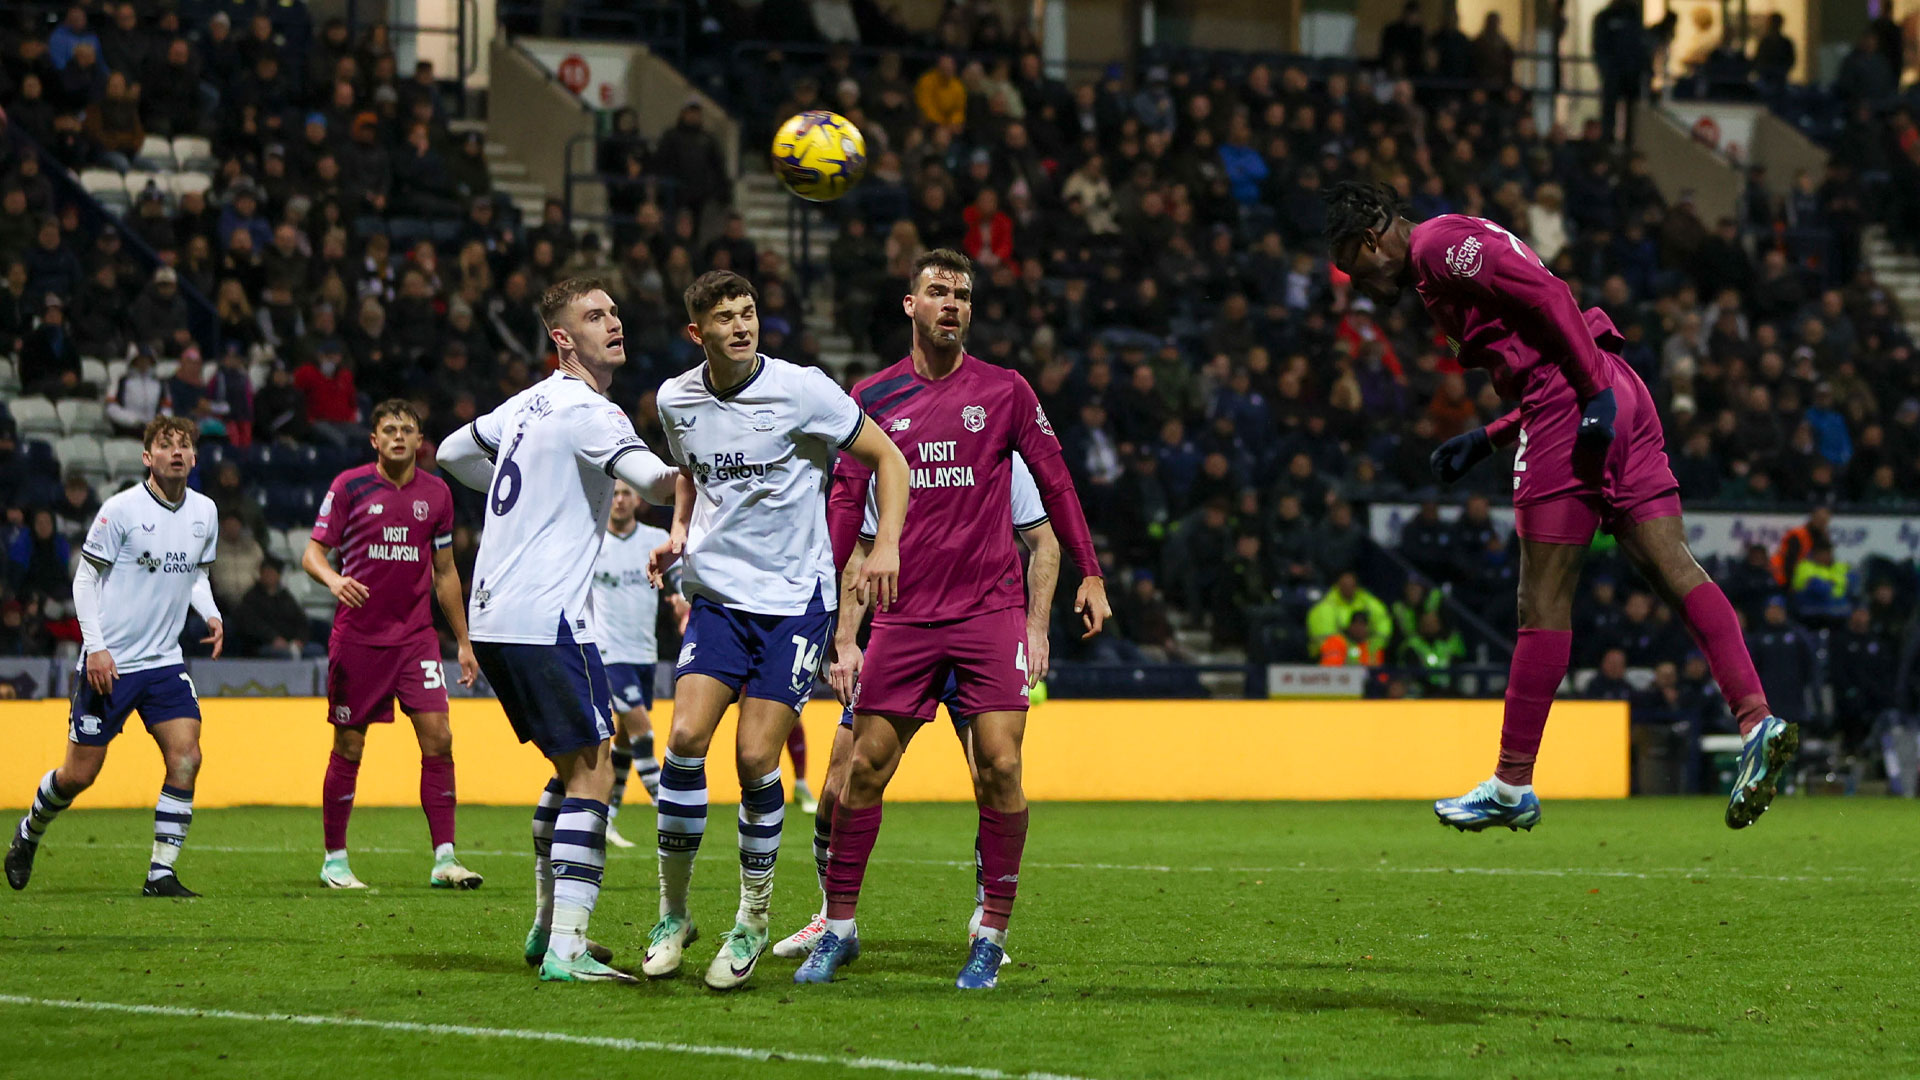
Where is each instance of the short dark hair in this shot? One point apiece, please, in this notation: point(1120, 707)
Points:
point(160, 425)
point(714, 286)
point(562, 293)
point(395, 407)
point(939, 259)
point(1353, 208)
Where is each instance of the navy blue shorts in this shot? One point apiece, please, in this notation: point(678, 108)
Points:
point(632, 686)
point(556, 696)
point(775, 657)
point(161, 694)
point(949, 696)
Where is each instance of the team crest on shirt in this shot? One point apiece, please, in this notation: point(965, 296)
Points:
point(763, 419)
point(1465, 258)
point(326, 505)
point(199, 528)
point(420, 509)
point(974, 417)
point(1040, 417)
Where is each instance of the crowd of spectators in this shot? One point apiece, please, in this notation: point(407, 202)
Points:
point(1150, 256)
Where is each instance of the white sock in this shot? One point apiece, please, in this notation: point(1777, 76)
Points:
point(998, 937)
point(442, 852)
point(1509, 794)
point(841, 928)
point(340, 855)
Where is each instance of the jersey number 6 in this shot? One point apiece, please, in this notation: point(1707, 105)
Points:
point(506, 481)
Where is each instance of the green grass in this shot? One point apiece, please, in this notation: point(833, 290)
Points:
point(1237, 940)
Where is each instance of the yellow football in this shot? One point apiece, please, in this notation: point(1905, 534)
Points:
point(819, 155)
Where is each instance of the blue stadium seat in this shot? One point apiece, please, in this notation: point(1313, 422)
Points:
point(287, 505)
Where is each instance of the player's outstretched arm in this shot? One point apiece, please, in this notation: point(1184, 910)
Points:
point(843, 674)
point(655, 480)
point(86, 607)
point(446, 591)
point(1043, 574)
point(344, 589)
point(879, 576)
point(461, 456)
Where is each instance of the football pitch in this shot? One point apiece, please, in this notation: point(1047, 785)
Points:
point(1636, 938)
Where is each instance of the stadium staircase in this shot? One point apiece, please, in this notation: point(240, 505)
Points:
point(509, 174)
point(1900, 274)
point(766, 206)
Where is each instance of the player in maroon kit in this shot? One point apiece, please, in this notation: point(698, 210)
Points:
point(393, 527)
point(1591, 456)
point(962, 603)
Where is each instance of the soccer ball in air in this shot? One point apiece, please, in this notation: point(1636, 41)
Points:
point(819, 155)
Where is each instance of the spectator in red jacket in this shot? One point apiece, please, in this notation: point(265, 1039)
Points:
point(989, 231)
point(1358, 330)
point(332, 404)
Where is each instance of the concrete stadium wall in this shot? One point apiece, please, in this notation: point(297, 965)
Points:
point(1784, 151)
point(1679, 164)
point(273, 751)
point(535, 117)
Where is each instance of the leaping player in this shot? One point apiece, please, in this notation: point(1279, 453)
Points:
point(628, 607)
point(547, 459)
point(393, 526)
point(143, 563)
point(962, 607)
point(756, 438)
point(1591, 456)
point(1043, 571)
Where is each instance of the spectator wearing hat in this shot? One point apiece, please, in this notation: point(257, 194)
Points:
point(159, 315)
point(332, 407)
point(242, 213)
point(137, 397)
point(49, 358)
point(366, 169)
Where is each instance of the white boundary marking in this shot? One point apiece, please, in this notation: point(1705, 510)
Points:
point(1845, 874)
point(604, 1042)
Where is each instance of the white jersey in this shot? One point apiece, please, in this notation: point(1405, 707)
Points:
point(1028, 511)
point(761, 455)
point(553, 447)
point(149, 555)
point(625, 603)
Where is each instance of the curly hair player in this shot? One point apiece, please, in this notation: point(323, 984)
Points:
point(1590, 456)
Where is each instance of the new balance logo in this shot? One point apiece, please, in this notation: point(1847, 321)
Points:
point(900, 424)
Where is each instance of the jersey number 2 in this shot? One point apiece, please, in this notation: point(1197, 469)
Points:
point(506, 481)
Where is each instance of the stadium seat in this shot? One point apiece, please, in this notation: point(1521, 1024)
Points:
point(289, 505)
point(193, 154)
point(137, 181)
point(287, 544)
point(115, 369)
point(185, 183)
point(36, 416)
point(78, 417)
point(9, 376)
point(100, 183)
point(81, 453)
point(164, 369)
point(93, 371)
point(159, 151)
point(122, 457)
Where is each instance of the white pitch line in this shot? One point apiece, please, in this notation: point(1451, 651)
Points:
point(604, 1042)
point(1650, 874)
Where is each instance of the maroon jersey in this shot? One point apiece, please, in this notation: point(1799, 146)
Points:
point(386, 537)
point(1502, 311)
point(957, 556)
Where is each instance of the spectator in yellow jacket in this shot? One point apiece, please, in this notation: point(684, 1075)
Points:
point(1336, 610)
point(941, 95)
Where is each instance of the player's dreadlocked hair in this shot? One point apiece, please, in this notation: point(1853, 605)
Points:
point(1353, 208)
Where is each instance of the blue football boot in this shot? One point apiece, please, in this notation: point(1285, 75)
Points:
point(829, 955)
point(1481, 809)
point(1768, 751)
point(983, 966)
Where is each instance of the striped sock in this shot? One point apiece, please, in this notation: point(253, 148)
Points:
point(545, 813)
point(763, 813)
point(682, 813)
point(646, 767)
point(48, 801)
point(579, 857)
point(822, 852)
point(1003, 838)
point(172, 816)
point(622, 761)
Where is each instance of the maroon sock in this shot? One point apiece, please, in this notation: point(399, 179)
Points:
point(437, 798)
point(336, 799)
point(1539, 663)
point(797, 749)
point(1003, 837)
point(1716, 630)
point(854, 832)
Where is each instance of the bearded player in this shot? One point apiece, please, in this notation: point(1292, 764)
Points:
point(962, 607)
point(393, 527)
point(1591, 456)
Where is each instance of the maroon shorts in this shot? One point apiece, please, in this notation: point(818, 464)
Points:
point(1560, 497)
point(906, 667)
point(363, 680)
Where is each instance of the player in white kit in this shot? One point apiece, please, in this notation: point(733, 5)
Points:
point(756, 439)
point(547, 459)
point(144, 562)
point(628, 607)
